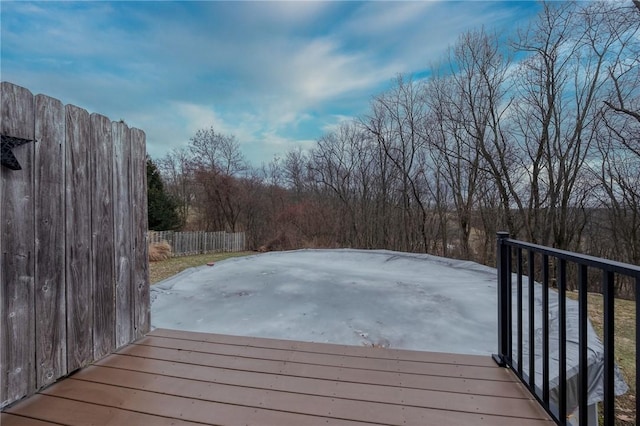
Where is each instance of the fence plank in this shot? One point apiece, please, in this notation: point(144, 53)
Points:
point(49, 236)
point(102, 237)
point(122, 236)
point(142, 307)
point(17, 357)
point(78, 239)
point(199, 242)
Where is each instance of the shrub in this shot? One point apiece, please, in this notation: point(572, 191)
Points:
point(159, 251)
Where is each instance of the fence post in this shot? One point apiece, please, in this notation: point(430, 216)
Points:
point(504, 328)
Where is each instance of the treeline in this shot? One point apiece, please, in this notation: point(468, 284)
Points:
point(537, 134)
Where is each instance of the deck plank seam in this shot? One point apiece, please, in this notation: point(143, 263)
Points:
point(317, 364)
point(332, 397)
point(328, 417)
point(409, 387)
point(293, 348)
point(31, 417)
point(322, 416)
point(293, 344)
point(523, 397)
point(332, 355)
point(52, 395)
point(337, 379)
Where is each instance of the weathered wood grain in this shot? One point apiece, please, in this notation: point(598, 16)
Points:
point(78, 239)
point(73, 224)
point(142, 306)
point(103, 250)
point(17, 331)
point(123, 232)
point(50, 290)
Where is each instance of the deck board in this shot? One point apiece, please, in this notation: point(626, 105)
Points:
point(176, 377)
point(324, 348)
point(325, 359)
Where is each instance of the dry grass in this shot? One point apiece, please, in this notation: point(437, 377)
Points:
point(159, 251)
point(625, 352)
point(164, 269)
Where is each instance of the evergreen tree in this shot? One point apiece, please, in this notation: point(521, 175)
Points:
point(162, 209)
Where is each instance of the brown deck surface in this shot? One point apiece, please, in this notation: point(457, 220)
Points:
point(176, 377)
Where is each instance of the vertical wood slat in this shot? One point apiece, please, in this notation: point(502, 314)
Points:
point(60, 220)
point(50, 290)
point(78, 239)
point(141, 295)
point(199, 242)
point(17, 268)
point(102, 236)
point(122, 233)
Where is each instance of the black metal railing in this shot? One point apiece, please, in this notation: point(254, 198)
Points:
point(537, 262)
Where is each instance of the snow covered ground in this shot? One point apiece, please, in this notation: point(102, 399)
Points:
point(355, 297)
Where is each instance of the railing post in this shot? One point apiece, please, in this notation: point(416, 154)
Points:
point(504, 328)
point(609, 348)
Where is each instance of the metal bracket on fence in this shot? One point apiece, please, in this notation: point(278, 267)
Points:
point(7, 143)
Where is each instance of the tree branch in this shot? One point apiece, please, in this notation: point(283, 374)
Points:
point(633, 114)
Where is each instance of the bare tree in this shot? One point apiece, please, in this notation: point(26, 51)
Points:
point(383, 181)
point(217, 152)
point(559, 85)
point(619, 174)
point(624, 73)
point(295, 168)
point(395, 124)
point(618, 141)
point(217, 163)
point(341, 163)
point(177, 171)
point(468, 103)
point(457, 154)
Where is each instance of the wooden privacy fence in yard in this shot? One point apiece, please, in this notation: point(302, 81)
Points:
point(189, 243)
point(73, 267)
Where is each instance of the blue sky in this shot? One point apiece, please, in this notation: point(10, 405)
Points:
point(277, 75)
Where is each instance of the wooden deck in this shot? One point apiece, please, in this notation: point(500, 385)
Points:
point(184, 378)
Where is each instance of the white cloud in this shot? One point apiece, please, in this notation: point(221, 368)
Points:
point(320, 70)
point(333, 122)
point(291, 13)
point(197, 116)
point(381, 18)
point(174, 124)
point(274, 144)
point(275, 74)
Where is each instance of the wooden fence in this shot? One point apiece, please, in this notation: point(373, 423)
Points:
point(189, 243)
point(73, 268)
